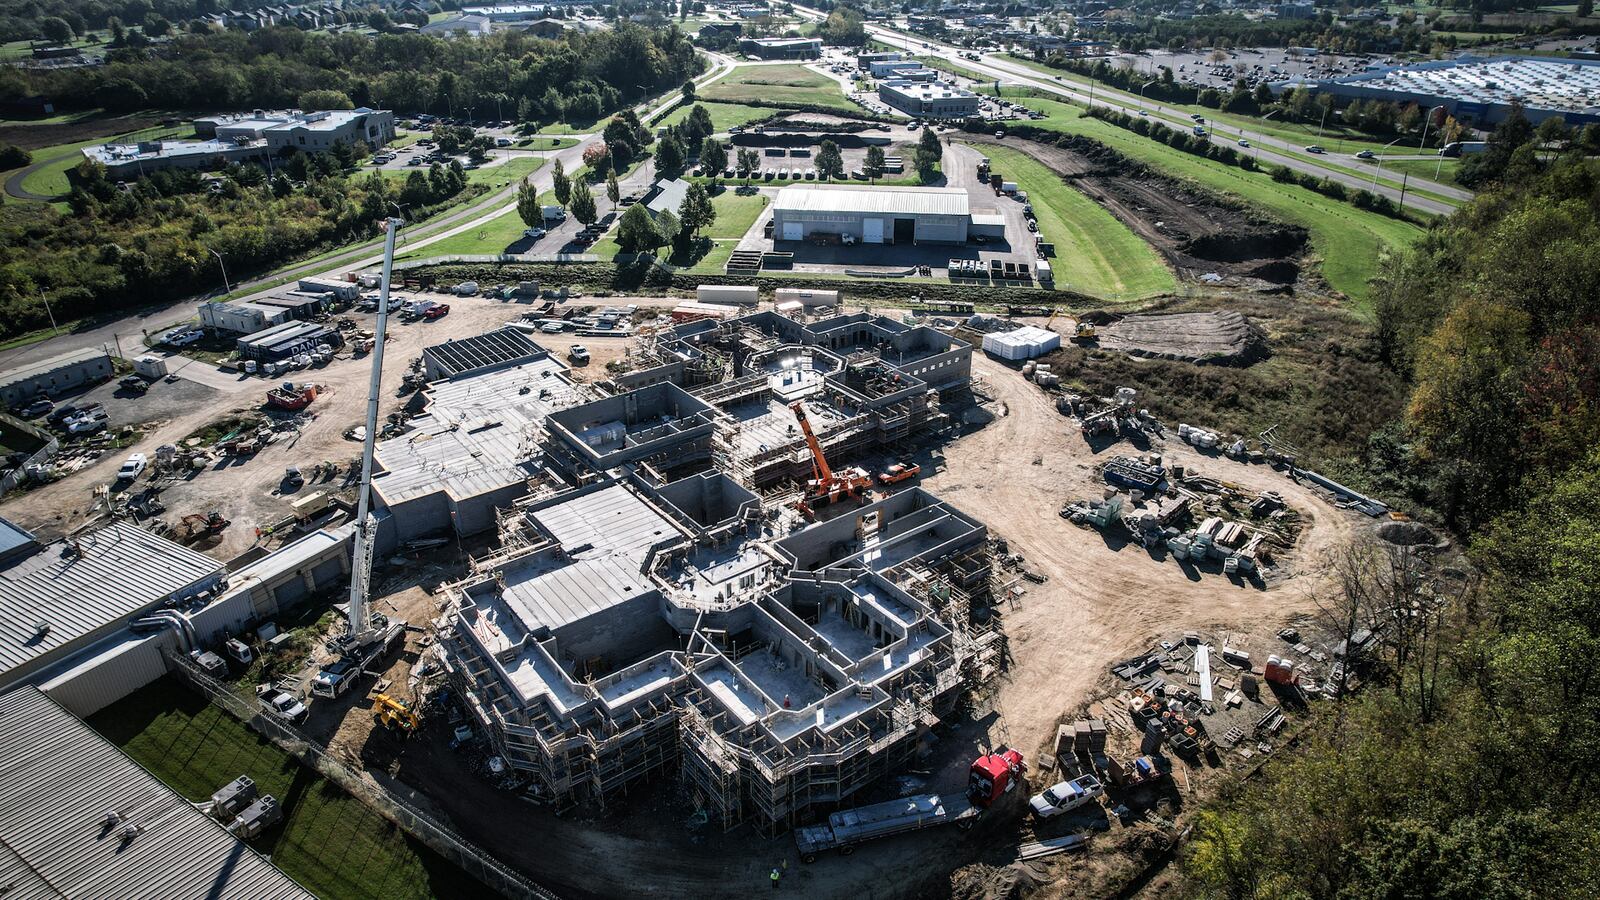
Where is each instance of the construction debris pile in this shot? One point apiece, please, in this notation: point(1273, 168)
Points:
point(1193, 517)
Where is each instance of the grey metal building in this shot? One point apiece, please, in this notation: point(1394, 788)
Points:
point(873, 215)
point(54, 375)
point(286, 340)
point(79, 819)
point(60, 597)
point(929, 100)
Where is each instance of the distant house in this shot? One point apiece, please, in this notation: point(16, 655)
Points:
point(547, 27)
point(782, 48)
point(718, 29)
point(666, 196)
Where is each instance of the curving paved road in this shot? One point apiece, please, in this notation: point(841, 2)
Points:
point(129, 330)
point(14, 180)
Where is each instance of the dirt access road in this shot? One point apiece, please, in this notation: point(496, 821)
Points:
point(1100, 604)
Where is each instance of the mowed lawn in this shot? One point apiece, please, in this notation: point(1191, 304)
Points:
point(501, 234)
point(330, 842)
point(1350, 242)
point(778, 85)
point(1095, 253)
point(723, 115)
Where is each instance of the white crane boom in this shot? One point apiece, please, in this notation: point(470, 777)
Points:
point(361, 563)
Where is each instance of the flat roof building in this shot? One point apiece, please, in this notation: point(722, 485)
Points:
point(782, 48)
point(79, 819)
point(1481, 90)
point(873, 215)
point(231, 139)
point(53, 376)
point(929, 100)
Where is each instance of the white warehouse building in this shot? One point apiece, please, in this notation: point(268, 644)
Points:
point(924, 215)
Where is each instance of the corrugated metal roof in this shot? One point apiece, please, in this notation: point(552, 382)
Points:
point(909, 201)
point(58, 779)
point(116, 572)
point(495, 348)
point(46, 366)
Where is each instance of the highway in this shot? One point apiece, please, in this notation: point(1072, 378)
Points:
point(1265, 148)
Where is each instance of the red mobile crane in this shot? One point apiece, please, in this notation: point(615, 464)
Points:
point(826, 486)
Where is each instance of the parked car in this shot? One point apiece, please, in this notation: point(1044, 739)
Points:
point(282, 704)
point(437, 311)
point(1066, 796)
point(132, 468)
point(63, 412)
point(578, 353)
point(535, 232)
point(185, 338)
point(40, 406)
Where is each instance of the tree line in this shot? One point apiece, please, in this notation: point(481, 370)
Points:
point(1466, 768)
point(130, 244)
point(579, 77)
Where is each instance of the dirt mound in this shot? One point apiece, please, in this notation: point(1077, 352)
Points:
point(1222, 337)
point(985, 882)
point(1407, 534)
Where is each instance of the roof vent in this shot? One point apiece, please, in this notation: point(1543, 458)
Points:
point(131, 831)
point(40, 629)
point(111, 819)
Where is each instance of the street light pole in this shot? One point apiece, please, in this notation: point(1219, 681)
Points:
point(1426, 121)
point(227, 288)
point(49, 312)
point(1379, 167)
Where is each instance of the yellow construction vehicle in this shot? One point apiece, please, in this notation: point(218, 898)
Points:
point(1085, 332)
point(395, 715)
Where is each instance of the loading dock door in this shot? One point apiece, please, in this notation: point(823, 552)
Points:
point(792, 231)
point(905, 230)
point(872, 231)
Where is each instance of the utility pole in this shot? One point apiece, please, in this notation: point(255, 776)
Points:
point(49, 312)
point(226, 287)
point(1404, 177)
point(360, 625)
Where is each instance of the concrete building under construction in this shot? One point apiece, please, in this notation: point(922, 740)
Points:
point(648, 609)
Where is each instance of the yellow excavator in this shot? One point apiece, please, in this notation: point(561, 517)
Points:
point(395, 715)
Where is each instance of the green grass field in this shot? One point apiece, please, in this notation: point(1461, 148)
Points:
point(1095, 253)
point(1349, 241)
point(329, 842)
point(488, 238)
point(778, 84)
point(723, 115)
point(494, 177)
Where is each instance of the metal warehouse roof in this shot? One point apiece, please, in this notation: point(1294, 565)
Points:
point(46, 366)
point(495, 348)
point(59, 780)
point(287, 333)
point(909, 201)
point(115, 572)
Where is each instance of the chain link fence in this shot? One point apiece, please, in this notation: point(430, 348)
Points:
point(423, 826)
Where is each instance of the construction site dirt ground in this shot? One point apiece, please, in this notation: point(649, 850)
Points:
point(249, 490)
point(1098, 605)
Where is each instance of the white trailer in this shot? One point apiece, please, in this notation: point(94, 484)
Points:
point(727, 293)
point(343, 290)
